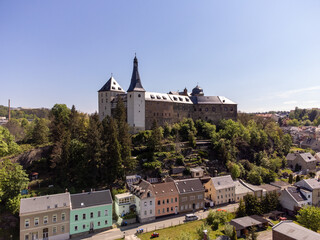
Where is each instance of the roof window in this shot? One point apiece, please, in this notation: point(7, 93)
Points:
point(114, 83)
point(158, 97)
point(113, 88)
point(174, 98)
point(152, 96)
point(187, 99)
point(119, 88)
point(164, 97)
point(180, 98)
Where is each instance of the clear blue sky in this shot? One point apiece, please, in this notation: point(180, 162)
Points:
point(264, 55)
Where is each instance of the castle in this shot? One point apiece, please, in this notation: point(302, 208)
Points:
point(144, 107)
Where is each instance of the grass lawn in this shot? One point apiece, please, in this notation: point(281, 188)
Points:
point(176, 231)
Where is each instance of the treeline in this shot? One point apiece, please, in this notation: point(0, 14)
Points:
point(31, 113)
point(304, 117)
point(88, 152)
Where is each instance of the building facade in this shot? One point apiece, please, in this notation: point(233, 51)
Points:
point(45, 217)
point(90, 212)
point(167, 199)
point(124, 203)
point(143, 108)
point(313, 186)
point(223, 190)
point(191, 194)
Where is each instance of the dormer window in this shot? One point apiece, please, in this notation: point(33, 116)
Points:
point(180, 98)
point(174, 98)
point(119, 88)
point(148, 194)
point(152, 96)
point(113, 88)
point(165, 98)
point(187, 99)
point(158, 97)
point(114, 83)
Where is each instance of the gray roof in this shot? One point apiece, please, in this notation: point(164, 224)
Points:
point(196, 169)
point(135, 84)
point(222, 182)
point(295, 231)
point(291, 156)
point(44, 203)
point(241, 189)
point(310, 183)
point(269, 187)
point(280, 184)
point(248, 221)
point(111, 85)
point(91, 199)
point(141, 189)
point(308, 157)
point(189, 185)
point(296, 194)
point(211, 100)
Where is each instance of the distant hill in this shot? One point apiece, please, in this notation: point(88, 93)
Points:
point(28, 113)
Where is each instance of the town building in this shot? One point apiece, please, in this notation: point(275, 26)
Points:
point(223, 190)
point(167, 198)
point(243, 224)
point(257, 191)
point(280, 184)
point(90, 212)
point(302, 161)
point(313, 186)
point(293, 198)
point(288, 230)
point(145, 200)
point(143, 108)
point(45, 217)
point(197, 172)
point(241, 191)
point(191, 194)
point(124, 203)
point(132, 179)
point(268, 189)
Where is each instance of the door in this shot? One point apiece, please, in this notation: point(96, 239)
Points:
point(45, 234)
point(35, 236)
point(91, 226)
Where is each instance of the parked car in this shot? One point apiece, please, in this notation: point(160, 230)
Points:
point(154, 235)
point(191, 217)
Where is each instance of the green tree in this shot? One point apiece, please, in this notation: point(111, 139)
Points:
point(241, 211)
point(290, 179)
point(200, 231)
point(235, 171)
point(12, 180)
point(228, 230)
point(270, 202)
point(252, 205)
point(234, 234)
point(40, 131)
point(254, 177)
point(253, 235)
point(309, 217)
point(156, 137)
point(7, 144)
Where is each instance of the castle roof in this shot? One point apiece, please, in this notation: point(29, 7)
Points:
point(135, 84)
point(111, 85)
point(211, 100)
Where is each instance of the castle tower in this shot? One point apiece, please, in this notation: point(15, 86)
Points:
point(105, 96)
point(136, 100)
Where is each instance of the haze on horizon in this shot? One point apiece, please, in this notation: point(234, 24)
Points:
point(263, 55)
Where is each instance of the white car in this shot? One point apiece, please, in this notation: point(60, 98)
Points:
point(191, 217)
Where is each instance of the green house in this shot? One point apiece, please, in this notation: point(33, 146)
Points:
point(90, 212)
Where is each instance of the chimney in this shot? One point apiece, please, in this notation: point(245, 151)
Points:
point(9, 110)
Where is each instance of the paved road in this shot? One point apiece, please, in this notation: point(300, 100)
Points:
point(152, 226)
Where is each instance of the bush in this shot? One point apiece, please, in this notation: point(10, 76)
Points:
point(215, 225)
point(228, 230)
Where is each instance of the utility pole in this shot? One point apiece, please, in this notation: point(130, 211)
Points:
point(9, 110)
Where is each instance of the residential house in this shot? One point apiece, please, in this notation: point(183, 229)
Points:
point(305, 161)
point(145, 200)
point(288, 230)
point(197, 172)
point(241, 191)
point(45, 217)
point(223, 190)
point(191, 194)
point(312, 143)
point(257, 191)
point(293, 198)
point(208, 186)
point(312, 185)
point(90, 212)
point(167, 198)
point(268, 188)
point(132, 179)
point(243, 224)
point(124, 203)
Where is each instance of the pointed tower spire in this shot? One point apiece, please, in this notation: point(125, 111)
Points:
point(135, 84)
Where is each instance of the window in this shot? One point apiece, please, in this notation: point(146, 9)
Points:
point(99, 213)
point(145, 213)
point(45, 220)
point(181, 207)
point(56, 205)
point(158, 211)
point(106, 212)
point(54, 230)
point(84, 216)
point(163, 210)
point(213, 109)
point(98, 224)
point(139, 95)
point(150, 211)
point(145, 204)
point(26, 237)
point(163, 202)
point(225, 109)
point(83, 226)
point(63, 216)
point(62, 228)
point(159, 202)
point(150, 203)
point(171, 209)
point(206, 109)
point(192, 198)
point(76, 217)
point(167, 209)
point(36, 221)
point(27, 223)
point(76, 228)
point(91, 215)
point(168, 200)
point(200, 196)
point(176, 199)
point(106, 222)
point(54, 218)
point(184, 199)
point(171, 200)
